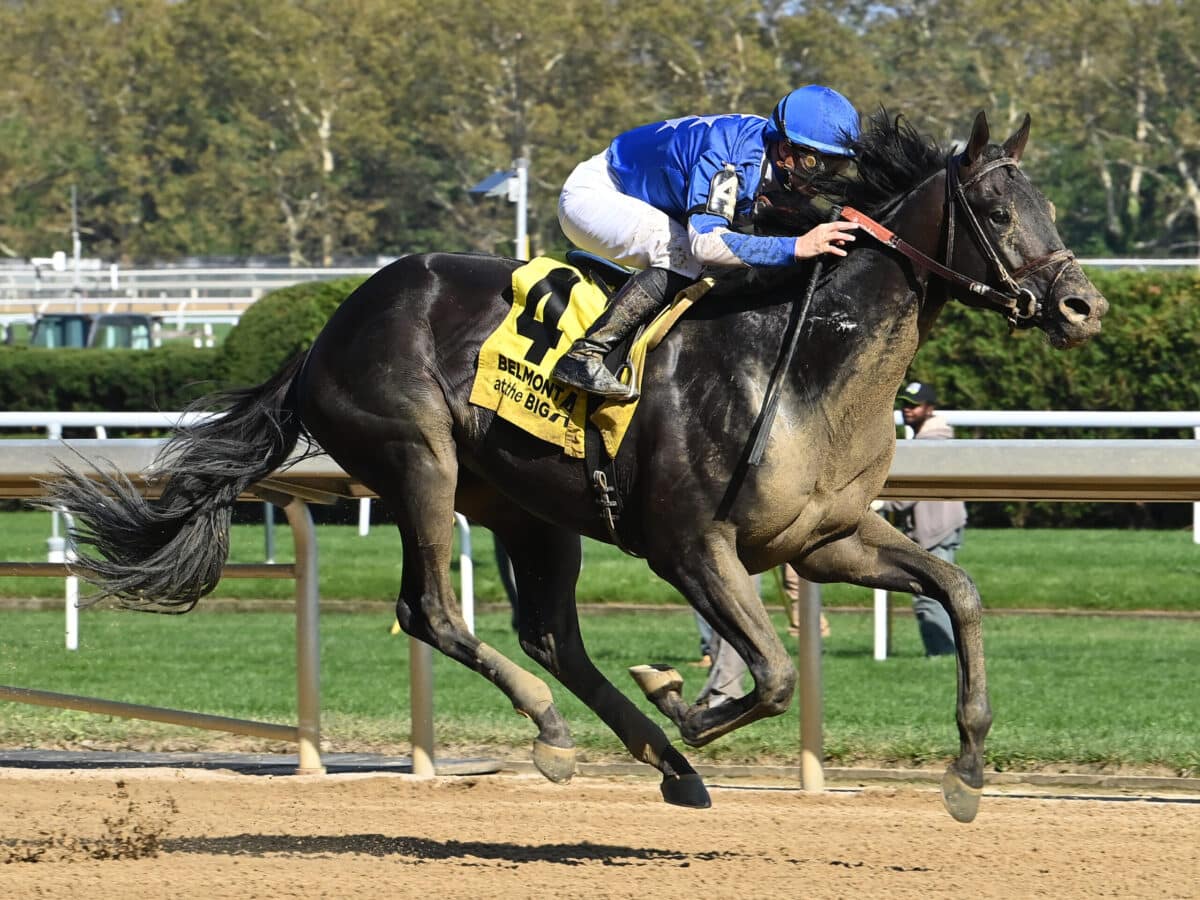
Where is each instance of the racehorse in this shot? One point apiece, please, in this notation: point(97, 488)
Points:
point(384, 387)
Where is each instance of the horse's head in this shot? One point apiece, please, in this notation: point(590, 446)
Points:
point(1012, 245)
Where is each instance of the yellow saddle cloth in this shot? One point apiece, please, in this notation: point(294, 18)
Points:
point(553, 305)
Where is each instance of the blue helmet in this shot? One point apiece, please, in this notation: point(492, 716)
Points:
point(817, 117)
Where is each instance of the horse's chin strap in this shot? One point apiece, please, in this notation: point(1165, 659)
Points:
point(1018, 304)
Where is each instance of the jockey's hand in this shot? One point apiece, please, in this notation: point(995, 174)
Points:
point(829, 237)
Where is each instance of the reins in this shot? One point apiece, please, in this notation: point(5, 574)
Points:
point(766, 418)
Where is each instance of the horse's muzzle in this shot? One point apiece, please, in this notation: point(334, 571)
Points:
point(1076, 317)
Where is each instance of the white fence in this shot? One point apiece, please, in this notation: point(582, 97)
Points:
point(181, 295)
point(996, 418)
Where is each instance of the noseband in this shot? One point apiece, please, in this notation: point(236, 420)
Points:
point(1018, 304)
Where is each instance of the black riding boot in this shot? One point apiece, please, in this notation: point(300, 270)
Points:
point(644, 294)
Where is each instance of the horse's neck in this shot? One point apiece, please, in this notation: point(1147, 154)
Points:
point(877, 309)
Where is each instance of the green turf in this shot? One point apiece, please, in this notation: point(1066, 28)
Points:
point(1014, 569)
point(1066, 691)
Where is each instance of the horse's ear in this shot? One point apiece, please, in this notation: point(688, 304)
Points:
point(1015, 145)
point(979, 138)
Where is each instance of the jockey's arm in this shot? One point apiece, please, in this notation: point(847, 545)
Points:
point(715, 192)
point(715, 189)
point(714, 244)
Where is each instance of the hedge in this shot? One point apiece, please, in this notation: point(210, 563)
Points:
point(1143, 359)
point(165, 378)
point(279, 325)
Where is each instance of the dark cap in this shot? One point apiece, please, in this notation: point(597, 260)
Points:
point(915, 393)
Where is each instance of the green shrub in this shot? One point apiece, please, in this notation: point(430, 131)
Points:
point(166, 378)
point(1143, 359)
point(279, 325)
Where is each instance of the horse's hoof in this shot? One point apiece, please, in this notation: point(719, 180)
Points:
point(556, 763)
point(656, 680)
point(960, 799)
point(686, 790)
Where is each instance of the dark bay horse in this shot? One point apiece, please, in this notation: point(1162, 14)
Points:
point(384, 391)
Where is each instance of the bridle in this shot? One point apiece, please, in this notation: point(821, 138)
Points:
point(1016, 303)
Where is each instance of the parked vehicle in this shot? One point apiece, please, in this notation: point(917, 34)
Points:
point(125, 331)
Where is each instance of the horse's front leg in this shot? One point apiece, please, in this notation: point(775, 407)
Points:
point(878, 556)
point(716, 583)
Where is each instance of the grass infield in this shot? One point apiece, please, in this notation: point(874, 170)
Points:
point(1077, 692)
point(1014, 569)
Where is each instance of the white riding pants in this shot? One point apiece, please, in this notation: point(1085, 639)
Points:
point(596, 216)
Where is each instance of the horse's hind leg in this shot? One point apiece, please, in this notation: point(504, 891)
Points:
point(422, 499)
point(546, 563)
point(878, 556)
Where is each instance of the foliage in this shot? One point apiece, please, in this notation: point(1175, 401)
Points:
point(311, 131)
point(165, 378)
point(280, 325)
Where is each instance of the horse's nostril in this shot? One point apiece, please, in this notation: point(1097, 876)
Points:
point(1075, 309)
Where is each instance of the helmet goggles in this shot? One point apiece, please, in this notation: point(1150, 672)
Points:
point(808, 165)
point(811, 163)
point(816, 127)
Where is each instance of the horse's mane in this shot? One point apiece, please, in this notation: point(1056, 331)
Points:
point(891, 159)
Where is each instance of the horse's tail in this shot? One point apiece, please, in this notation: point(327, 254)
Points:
point(164, 555)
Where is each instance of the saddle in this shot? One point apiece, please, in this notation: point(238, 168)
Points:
point(605, 273)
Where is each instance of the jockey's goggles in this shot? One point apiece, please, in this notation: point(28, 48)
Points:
point(808, 164)
point(812, 163)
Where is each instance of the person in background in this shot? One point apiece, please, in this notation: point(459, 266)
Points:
point(935, 525)
point(726, 669)
point(706, 642)
point(791, 591)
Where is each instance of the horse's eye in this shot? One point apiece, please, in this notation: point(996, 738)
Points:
point(1000, 216)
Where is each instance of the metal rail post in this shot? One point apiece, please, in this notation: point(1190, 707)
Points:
point(420, 669)
point(308, 644)
point(812, 709)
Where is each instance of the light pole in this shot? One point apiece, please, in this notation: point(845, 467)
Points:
point(513, 185)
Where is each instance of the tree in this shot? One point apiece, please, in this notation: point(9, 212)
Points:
point(299, 89)
point(1137, 71)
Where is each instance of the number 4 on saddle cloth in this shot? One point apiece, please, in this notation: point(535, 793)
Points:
point(553, 305)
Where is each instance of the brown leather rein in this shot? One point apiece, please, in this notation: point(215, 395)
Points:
point(1018, 304)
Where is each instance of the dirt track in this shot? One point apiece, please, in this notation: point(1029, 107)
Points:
point(215, 835)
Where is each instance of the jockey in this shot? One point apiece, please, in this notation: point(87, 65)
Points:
point(663, 198)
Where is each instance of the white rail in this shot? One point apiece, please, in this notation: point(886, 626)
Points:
point(100, 422)
point(1062, 418)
